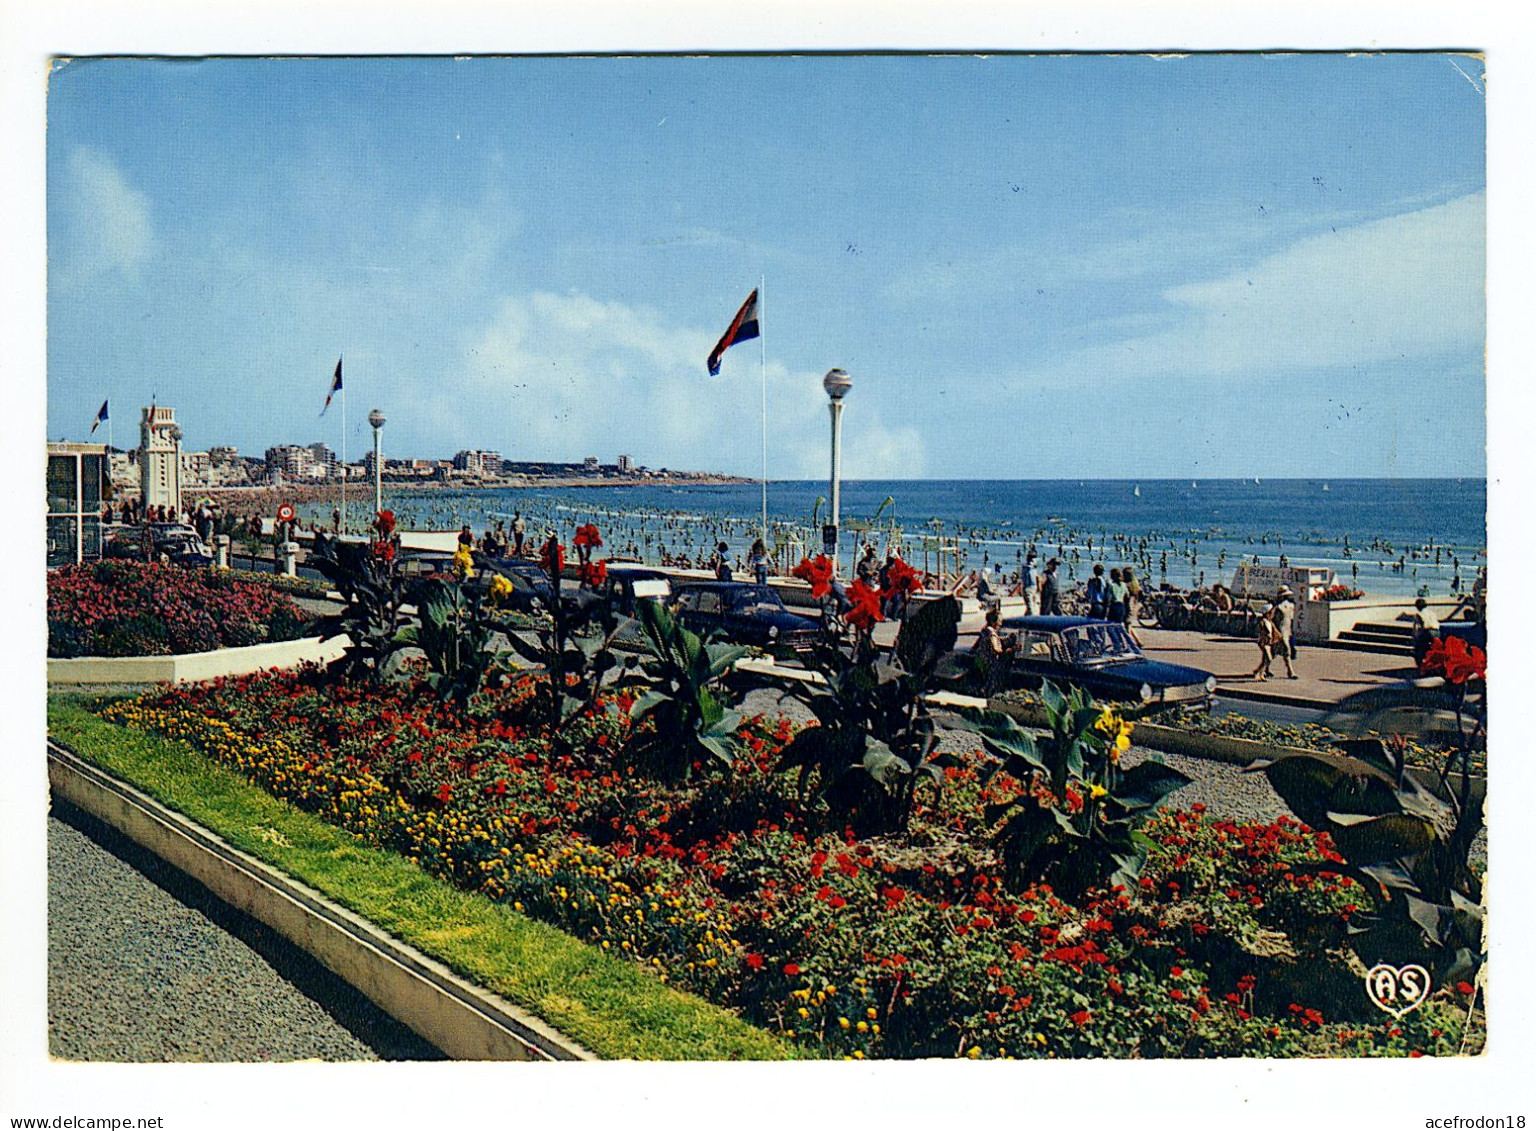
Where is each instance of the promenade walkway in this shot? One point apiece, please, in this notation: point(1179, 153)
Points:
point(1325, 675)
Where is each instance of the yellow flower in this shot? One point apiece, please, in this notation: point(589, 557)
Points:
point(501, 588)
point(842, 1022)
point(1096, 791)
point(464, 563)
point(974, 1052)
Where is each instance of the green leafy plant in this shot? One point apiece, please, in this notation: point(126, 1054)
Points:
point(1407, 845)
point(877, 735)
point(1073, 820)
point(366, 577)
point(573, 647)
point(680, 697)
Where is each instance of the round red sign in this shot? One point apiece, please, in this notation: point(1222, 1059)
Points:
point(285, 513)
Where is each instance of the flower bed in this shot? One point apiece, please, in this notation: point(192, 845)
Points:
point(122, 608)
point(731, 886)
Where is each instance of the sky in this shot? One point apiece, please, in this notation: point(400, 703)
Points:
point(1060, 266)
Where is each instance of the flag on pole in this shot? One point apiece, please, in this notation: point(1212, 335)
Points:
point(743, 329)
point(100, 417)
point(335, 387)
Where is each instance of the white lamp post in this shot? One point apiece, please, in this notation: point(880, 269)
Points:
point(376, 418)
point(836, 383)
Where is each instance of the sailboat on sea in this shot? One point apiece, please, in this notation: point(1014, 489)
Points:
point(1137, 492)
point(1325, 487)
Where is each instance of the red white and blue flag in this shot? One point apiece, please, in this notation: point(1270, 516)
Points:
point(743, 329)
point(335, 387)
point(100, 416)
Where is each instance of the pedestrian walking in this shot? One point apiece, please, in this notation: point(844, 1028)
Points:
point(1267, 636)
point(757, 562)
point(722, 562)
point(867, 568)
point(991, 652)
point(519, 532)
point(1282, 614)
point(1118, 598)
point(1028, 585)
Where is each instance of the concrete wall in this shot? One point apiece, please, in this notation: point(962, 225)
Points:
point(194, 666)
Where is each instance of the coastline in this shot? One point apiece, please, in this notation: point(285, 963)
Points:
point(266, 497)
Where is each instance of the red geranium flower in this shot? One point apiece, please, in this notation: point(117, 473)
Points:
point(384, 523)
point(791, 970)
point(1081, 1017)
point(587, 535)
point(755, 961)
point(1453, 658)
point(866, 606)
point(593, 574)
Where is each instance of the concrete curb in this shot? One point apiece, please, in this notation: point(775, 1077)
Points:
point(192, 666)
point(464, 1021)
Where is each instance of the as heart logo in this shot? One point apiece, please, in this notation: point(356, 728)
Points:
point(1397, 990)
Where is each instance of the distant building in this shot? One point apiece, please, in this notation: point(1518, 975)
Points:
point(291, 462)
point(626, 465)
point(196, 470)
point(159, 463)
point(78, 482)
point(325, 461)
point(482, 463)
point(590, 465)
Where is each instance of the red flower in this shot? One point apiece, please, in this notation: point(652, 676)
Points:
point(818, 572)
point(593, 574)
point(1453, 658)
point(1464, 988)
point(791, 970)
point(866, 606)
point(755, 961)
point(587, 536)
point(1081, 1018)
point(384, 523)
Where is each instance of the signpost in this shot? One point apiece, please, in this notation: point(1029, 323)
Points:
point(829, 540)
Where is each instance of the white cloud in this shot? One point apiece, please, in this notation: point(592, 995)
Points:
point(108, 222)
point(1403, 287)
point(557, 376)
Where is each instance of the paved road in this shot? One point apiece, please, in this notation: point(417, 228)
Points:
point(144, 965)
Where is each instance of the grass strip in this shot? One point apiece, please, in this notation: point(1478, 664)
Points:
point(607, 1004)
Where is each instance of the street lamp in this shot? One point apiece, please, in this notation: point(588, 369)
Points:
point(376, 419)
point(836, 383)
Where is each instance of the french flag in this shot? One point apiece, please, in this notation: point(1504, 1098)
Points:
point(335, 387)
point(743, 329)
point(100, 416)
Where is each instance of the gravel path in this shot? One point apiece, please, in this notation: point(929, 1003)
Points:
point(144, 965)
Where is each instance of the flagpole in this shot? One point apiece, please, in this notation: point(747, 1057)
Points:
point(762, 357)
point(343, 529)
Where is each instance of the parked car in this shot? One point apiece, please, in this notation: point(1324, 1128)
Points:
point(177, 543)
point(419, 567)
point(628, 583)
point(1101, 658)
point(743, 614)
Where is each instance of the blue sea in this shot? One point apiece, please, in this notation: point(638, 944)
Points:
point(1181, 531)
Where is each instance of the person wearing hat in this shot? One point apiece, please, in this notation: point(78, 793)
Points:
point(1283, 614)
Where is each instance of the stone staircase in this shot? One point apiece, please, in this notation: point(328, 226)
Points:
point(1387, 639)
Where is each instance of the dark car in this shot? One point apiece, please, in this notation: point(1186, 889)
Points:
point(743, 614)
point(1101, 658)
point(628, 583)
point(177, 544)
point(418, 567)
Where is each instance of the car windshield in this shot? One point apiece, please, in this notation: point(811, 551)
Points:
point(1099, 643)
point(652, 587)
point(754, 601)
